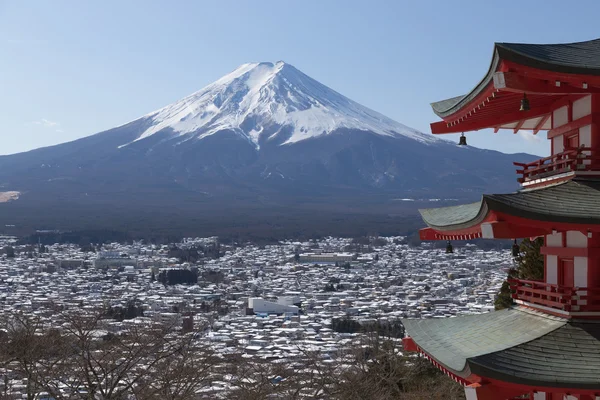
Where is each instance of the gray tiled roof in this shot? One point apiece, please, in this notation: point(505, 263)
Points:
point(452, 341)
point(566, 357)
point(454, 216)
point(443, 105)
point(574, 58)
point(580, 57)
point(449, 106)
point(574, 201)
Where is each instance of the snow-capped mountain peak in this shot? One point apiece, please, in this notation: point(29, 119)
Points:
point(261, 100)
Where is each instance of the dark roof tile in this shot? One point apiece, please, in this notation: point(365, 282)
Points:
point(452, 341)
point(574, 58)
point(575, 201)
point(549, 361)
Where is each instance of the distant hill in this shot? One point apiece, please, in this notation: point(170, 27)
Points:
point(265, 141)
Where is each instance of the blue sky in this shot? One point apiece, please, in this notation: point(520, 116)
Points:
point(74, 68)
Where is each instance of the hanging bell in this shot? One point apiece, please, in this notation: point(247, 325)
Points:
point(462, 141)
point(515, 249)
point(449, 248)
point(525, 103)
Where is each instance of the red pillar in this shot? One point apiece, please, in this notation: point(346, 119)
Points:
point(595, 139)
point(593, 278)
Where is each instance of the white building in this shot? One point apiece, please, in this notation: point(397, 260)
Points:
point(262, 306)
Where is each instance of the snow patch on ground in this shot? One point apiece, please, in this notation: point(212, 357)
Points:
point(5, 197)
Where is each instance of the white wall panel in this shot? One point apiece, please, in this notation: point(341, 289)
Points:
point(585, 139)
point(582, 107)
point(558, 144)
point(576, 239)
point(560, 117)
point(470, 393)
point(585, 135)
point(552, 269)
point(554, 240)
point(580, 265)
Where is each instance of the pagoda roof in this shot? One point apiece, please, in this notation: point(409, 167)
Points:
point(569, 58)
point(454, 341)
point(514, 345)
point(455, 217)
point(566, 357)
point(575, 201)
point(574, 58)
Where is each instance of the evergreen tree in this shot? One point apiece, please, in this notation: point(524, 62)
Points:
point(504, 299)
point(529, 266)
point(530, 261)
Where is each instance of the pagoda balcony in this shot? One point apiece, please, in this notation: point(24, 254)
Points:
point(579, 160)
point(567, 301)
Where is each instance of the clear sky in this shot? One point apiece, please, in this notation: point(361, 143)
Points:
point(69, 69)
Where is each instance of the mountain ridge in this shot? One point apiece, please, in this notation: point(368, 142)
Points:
point(276, 94)
point(251, 140)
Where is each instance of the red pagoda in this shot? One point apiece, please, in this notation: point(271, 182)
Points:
point(547, 346)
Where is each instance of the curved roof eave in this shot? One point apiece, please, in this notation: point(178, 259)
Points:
point(572, 202)
point(455, 217)
point(563, 364)
point(453, 341)
point(447, 107)
point(581, 58)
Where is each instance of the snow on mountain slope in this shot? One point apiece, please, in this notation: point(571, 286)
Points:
point(258, 98)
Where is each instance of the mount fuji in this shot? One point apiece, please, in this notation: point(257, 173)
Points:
point(270, 102)
point(264, 136)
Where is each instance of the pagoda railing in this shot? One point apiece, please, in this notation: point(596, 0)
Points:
point(572, 159)
point(567, 299)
